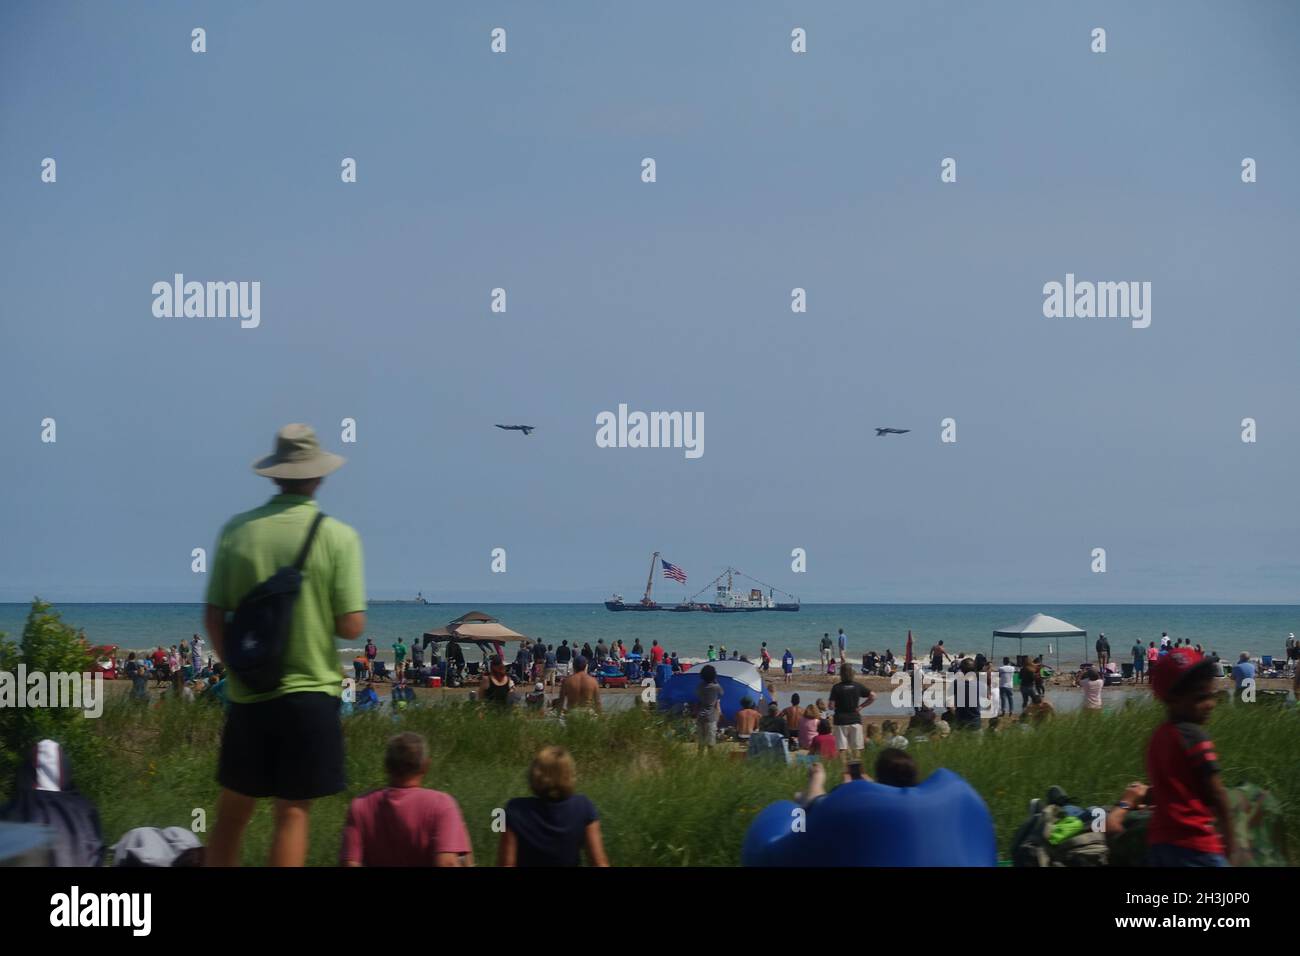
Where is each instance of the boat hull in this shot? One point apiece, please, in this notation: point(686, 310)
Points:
point(722, 609)
point(620, 606)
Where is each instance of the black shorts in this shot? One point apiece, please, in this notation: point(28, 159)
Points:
point(290, 747)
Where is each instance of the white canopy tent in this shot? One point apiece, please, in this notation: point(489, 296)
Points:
point(1041, 625)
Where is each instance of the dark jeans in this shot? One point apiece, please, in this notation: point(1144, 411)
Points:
point(1008, 701)
point(1027, 696)
point(1166, 854)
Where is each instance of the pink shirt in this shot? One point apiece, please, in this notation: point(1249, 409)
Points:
point(807, 731)
point(403, 826)
point(1153, 653)
point(1091, 693)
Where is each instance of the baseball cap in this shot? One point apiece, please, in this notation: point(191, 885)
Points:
point(1175, 667)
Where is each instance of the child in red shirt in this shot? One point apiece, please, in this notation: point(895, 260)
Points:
point(1186, 788)
point(823, 745)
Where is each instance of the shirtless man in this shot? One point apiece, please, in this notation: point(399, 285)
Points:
point(579, 689)
point(746, 719)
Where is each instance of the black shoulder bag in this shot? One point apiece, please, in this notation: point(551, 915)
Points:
point(257, 636)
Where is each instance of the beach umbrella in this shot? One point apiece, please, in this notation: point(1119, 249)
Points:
point(739, 679)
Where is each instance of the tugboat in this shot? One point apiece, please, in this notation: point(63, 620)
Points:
point(726, 600)
point(618, 604)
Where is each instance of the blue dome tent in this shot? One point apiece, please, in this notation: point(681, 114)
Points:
point(739, 679)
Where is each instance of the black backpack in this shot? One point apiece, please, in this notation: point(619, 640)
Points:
point(258, 634)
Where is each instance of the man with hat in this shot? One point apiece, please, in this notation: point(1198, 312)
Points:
point(286, 743)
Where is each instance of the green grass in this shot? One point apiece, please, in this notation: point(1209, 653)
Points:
point(661, 803)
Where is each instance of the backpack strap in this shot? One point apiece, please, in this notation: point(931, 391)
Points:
point(306, 545)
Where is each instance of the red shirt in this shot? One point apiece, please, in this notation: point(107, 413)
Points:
point(823, 745)
point(657, 654)
point(403, 826)
point(1181, 762)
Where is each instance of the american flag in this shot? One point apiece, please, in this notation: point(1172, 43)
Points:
point(673, 571)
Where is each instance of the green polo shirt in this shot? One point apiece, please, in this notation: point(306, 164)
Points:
point(253, 546)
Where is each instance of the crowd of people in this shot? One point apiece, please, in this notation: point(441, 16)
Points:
point(262, 753)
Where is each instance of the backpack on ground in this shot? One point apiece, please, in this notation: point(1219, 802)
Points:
point(257, 636)
point(1054, 837)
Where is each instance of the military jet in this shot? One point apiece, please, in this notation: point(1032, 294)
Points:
point(888, 431)
point(526, 429)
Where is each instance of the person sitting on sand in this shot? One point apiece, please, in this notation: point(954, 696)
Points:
point(535, 700)
point(808, 722)
point(773, 722)
point(1038, 711)
point(823, 745)
point(496, 685)
point(555, 825)
point(405, 823)
point(746, 720)
point(579, 690)
point(791, 715)
point(1242, 672)
point(823, 712)
point(1091, 682)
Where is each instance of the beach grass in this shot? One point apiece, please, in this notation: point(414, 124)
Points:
point(661, 802)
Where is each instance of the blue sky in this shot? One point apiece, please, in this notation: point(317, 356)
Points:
point(775, 170)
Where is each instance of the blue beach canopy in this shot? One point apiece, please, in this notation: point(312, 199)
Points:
point(739, 679)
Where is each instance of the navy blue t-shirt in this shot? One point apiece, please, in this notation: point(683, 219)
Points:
point(550, 832)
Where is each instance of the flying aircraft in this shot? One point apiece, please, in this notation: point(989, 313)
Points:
point(526, 429)
point(892, 431)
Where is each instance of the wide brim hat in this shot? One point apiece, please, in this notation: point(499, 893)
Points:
point(298, 456)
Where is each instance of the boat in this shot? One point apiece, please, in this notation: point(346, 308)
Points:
point(418, 599)
point(616, 603)
point(726, 600)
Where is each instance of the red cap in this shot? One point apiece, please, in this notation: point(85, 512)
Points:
point(1171, 668)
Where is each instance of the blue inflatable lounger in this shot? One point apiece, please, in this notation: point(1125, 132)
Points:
point(940, 822)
